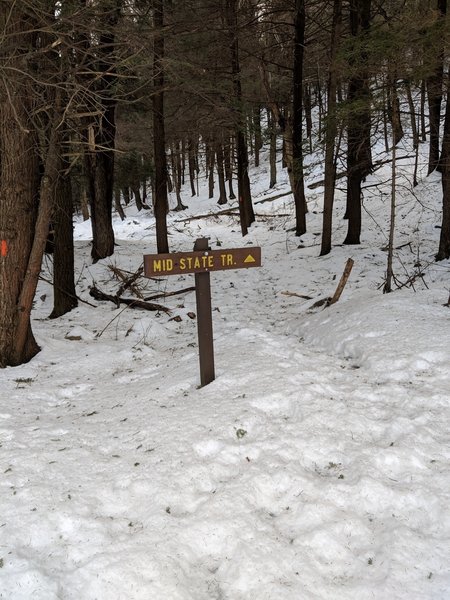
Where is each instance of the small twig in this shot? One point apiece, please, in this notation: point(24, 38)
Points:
point(97, 335)
point(67, 293)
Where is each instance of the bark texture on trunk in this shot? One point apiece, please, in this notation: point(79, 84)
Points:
point(331, 133)
point(64, 294)
point(434, 88)
point(359, 155)
point(19, 183)
point(444, 241)
point(160, 199)
point(297, 117)
point(247, 215)
point(99, 139)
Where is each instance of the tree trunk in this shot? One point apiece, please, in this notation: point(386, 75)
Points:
point(228, 164)
point(18, 191)
point(99, 138)
point(394, 110)
point(210, 169)
point(308, 114)
point(272, 150)
point(191, 166)
point(246, 212)
point(359, 156)
point(64, 294)
point(390, 257)
point(444, 241)
point(161, 203)
point(221, 174)
point(423, 97)
point(258, 136)
point(434, 89)
point(297, 118)
point(177, 175)
point(414, 129)
point(137, 196)
point(118, 205)
point(331, 133)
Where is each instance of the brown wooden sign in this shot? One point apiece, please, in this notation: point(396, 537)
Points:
point(204, 261)
point(201, 262)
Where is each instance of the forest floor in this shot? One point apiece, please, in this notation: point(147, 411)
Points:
point(316, 465)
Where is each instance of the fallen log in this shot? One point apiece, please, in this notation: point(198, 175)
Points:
point(132, 303)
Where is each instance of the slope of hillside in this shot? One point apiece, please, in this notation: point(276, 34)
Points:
point(316, 465)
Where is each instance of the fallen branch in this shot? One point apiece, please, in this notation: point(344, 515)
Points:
point(232, 212)
point(127, 282)
point(227, 211)
point(297, 295)
point(272, 198)
point(316, 184)
point(376, 165)
point(132, 303)
point(167, 294)
point(342, 282)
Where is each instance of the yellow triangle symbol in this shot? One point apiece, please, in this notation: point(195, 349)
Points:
point(249, 259)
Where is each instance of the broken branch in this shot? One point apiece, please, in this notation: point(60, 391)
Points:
point(132, 303)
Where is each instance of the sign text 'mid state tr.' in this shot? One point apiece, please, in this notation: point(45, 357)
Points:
point(201, 261)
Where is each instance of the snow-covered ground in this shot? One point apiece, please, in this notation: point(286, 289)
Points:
point(315, 466)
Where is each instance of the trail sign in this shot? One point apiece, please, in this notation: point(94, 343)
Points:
point(201, 262)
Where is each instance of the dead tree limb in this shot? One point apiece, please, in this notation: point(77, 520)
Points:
point(167, 294)
point(227, 211)
point(342, 282)
point(127, 282)
point(232, 213)
point(303, 296)
point(272, 198)
point(132, 303)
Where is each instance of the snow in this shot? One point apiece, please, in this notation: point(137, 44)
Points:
point(315, 466)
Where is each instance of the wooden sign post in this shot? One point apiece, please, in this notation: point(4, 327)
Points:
point(204, 320)
point(201, 262)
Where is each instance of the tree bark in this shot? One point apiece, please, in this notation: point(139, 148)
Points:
point(19, 184)
point(297, 118)
point(246, 212)
point(99, 138)
point(161, 203)
point(221, 174)
point(434, 90)
point(331, 133)
point(258, 136)
point(228, 160)
point(272, 150)
point(359, 156)
point(191, 166)
point(444, 240)
point(64, 294)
